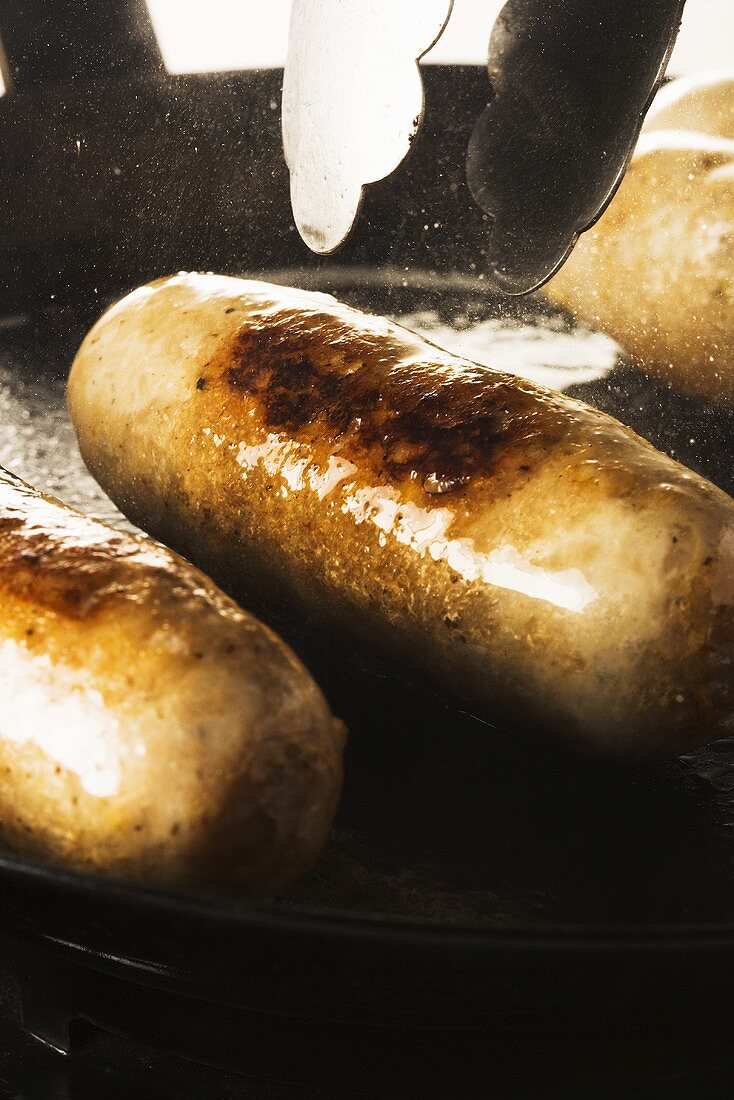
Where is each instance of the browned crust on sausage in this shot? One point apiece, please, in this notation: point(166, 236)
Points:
point(76, 567)
point(315, 376)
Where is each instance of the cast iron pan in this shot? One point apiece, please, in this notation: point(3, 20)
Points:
point(452, 836)
point(487, 889)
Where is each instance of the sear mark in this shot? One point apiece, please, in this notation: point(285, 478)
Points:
point(315, 375)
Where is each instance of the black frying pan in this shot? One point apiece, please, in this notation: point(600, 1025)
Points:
point(489, 909)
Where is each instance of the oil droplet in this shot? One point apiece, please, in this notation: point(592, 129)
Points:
point(436, 485)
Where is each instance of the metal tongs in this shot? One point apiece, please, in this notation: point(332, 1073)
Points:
point(570, 82)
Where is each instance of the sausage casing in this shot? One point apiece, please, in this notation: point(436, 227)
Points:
point(527, 551)
point(149, 728)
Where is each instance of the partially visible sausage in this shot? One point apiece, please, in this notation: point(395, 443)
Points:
point(149, 728)
point(529, 553)
point(702, 103)
point(657, 271)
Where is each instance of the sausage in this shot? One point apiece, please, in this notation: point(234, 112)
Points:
point(150, 729)
point(529, 553)
point(701, 103)
point(657, 271)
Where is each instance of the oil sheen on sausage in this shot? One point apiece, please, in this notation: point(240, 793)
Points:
point(149, 728)
point(528, 552)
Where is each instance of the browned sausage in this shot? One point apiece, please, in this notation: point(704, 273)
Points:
point(527, 551)
point(149, 728)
